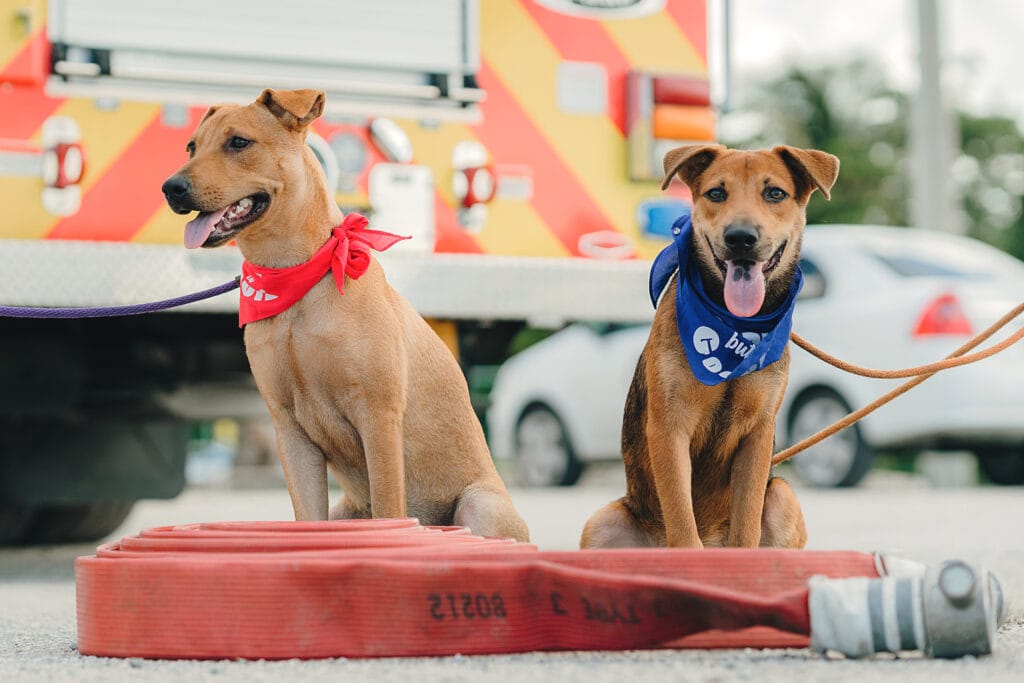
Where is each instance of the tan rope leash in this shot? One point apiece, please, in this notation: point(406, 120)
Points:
point(949, 362)
point(919, 374)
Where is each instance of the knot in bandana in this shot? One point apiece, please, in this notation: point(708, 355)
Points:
point(265, 292)
point(718, 344)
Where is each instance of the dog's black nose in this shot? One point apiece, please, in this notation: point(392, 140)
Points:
point(177, 187)
point(741, 237)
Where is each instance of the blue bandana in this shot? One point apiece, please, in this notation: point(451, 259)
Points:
point(718, 344)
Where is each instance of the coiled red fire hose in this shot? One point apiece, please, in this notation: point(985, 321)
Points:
point(381, 588)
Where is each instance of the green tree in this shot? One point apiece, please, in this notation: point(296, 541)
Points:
point(990, 174)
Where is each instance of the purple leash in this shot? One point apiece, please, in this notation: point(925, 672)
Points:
point(112, 311)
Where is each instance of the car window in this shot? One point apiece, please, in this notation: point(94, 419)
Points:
point(945, 257)
point(814, 280)
point(912, 266)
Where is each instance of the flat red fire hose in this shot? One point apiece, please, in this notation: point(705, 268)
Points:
point(383, 588)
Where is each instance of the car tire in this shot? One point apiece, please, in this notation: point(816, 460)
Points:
point(1003, 466)
point(841, 460)
point(77, 523)
point(544, 455)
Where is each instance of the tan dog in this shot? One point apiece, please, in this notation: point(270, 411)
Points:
point(698, 457)
point(355, 382)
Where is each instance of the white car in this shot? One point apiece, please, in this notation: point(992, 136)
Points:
point(880, 297)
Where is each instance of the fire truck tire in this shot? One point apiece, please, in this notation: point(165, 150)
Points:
point(14, 519)
point(1003, 466)
point(77, 523)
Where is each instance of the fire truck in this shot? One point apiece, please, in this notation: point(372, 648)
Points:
point(518, 142)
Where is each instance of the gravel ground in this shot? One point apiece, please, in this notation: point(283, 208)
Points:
point(891, 513)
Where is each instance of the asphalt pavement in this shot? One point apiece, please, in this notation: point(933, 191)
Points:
point(900, 514)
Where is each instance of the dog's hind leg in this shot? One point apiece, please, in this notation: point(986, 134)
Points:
point(614, 526)
point(487, 512)
point(344, 509)
point(782, 521)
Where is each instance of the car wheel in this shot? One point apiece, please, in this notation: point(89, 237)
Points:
point(840, 460)
point(544, 454)
point(1004, 466)
point(77, 523)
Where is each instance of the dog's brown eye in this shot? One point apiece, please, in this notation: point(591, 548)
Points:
point(774, 194)
point(716, 195)
point(239, 142)
point(190, 148)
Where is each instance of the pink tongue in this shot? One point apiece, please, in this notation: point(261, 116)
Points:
point(199, 228)
point(744, 288)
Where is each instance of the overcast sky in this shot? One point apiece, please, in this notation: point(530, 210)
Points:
point(982, 43)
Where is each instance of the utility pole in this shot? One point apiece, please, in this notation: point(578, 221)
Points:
point(934, 200)
point(726, 105)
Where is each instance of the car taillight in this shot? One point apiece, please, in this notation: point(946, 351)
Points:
point(943, 315)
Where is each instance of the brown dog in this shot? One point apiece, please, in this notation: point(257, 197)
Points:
point(355, 382)
point(698, 457)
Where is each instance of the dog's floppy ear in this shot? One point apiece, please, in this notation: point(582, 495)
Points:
point(812, 170)
point(689, 162)
point(209, 112)
point(296, 109)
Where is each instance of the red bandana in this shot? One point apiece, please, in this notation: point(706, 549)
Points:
point(265, 292)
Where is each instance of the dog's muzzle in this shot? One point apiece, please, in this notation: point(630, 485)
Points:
point(740, 238)
point(178, 191)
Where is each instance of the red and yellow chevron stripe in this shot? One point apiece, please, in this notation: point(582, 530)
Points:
point(578, 161)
